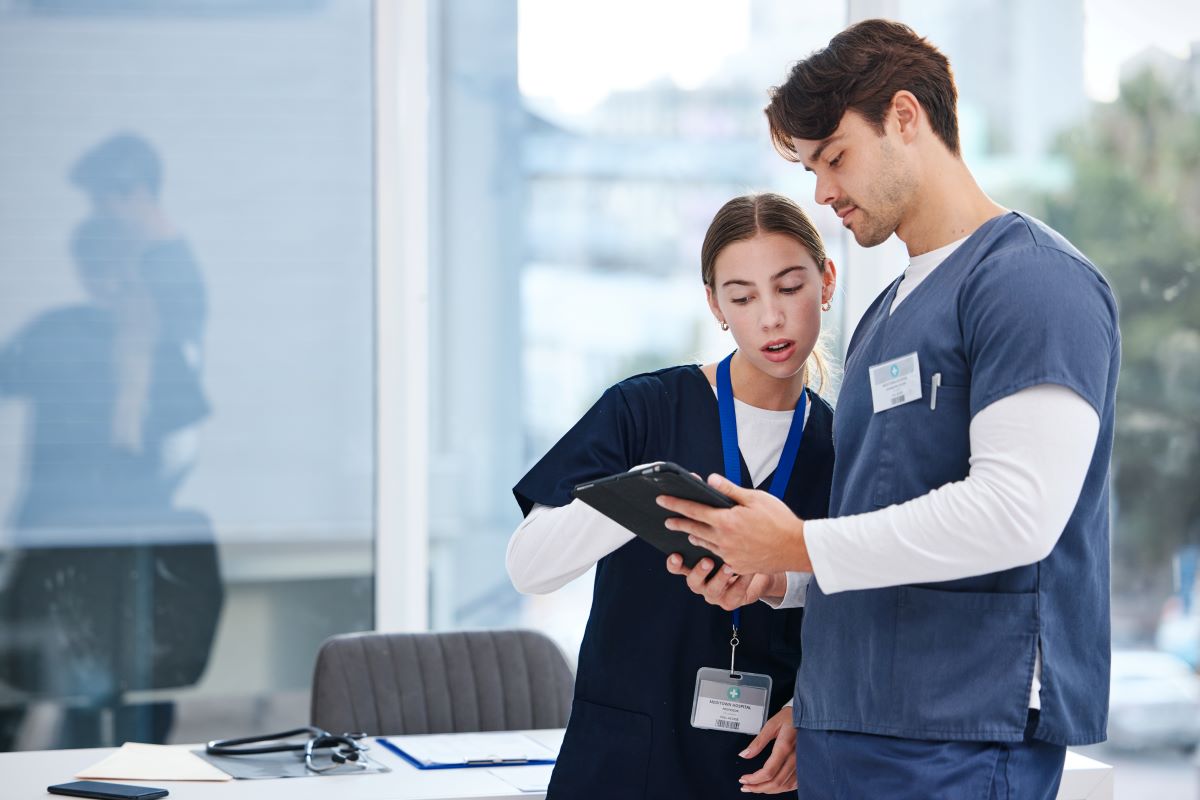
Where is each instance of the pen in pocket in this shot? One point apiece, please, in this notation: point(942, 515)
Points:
point(934, 383)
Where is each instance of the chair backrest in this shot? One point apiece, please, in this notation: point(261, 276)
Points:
point(97, 622)
point(402, 683)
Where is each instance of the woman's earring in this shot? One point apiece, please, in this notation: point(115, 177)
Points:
point(826, 306)
point(724, 325)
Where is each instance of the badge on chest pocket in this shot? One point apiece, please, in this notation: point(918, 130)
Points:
point(895, 382)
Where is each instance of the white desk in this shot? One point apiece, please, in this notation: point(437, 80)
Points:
point(26, 775)
point(1086, 779)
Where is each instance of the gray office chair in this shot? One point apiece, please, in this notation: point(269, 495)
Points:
point(400, 683)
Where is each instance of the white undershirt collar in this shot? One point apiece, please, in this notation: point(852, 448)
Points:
point(920, 267)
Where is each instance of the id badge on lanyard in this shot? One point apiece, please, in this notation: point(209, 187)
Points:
point(728, 700)
point(725, 699)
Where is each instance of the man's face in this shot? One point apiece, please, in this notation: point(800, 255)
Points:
point(862, 176)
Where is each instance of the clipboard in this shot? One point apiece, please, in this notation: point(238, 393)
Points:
point(469, 750)
point(627, 498)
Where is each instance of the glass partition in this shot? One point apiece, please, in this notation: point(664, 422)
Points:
point(186, 362)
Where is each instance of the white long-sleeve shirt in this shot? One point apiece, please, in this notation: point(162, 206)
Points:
point(553, 546)
point(1029, 455)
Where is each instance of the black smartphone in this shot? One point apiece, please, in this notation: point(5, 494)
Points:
point(628, 498)
point(107, 791)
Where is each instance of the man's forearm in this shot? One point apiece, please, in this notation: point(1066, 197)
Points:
point(1030, 453)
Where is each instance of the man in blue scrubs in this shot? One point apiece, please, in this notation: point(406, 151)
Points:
point(956, 636)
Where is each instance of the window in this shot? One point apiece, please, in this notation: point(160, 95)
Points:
point(1084, 114)
point(573, 193)
point(187, 371)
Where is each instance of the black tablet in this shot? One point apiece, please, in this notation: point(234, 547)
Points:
point(628, 499)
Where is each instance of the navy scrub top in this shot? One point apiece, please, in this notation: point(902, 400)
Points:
point(630, 733)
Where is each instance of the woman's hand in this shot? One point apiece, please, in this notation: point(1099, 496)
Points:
point(759, 534)
point(778, 774)
point(727, 589)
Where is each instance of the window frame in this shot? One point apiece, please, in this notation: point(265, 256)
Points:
point(402, 245)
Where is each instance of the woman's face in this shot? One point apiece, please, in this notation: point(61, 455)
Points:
point(769, 290)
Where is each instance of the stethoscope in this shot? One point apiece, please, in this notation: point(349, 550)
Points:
point(346, 746)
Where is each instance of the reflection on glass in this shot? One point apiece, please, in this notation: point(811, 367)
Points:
point(112, 587)
point(186, 362)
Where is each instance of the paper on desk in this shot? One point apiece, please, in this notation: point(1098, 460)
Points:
point(468, 748)
point(153, 762)
point(549, 737)
point(526, 779)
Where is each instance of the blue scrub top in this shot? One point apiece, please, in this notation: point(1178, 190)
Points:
point(1014, 306)
point(630, 734)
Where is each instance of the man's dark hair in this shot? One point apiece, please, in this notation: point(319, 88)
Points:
point(860, 70)
point(119, 165)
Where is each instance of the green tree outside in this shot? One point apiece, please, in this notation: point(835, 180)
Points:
point(1133, 207)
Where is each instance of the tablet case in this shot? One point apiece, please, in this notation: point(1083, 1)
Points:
point(628, 498)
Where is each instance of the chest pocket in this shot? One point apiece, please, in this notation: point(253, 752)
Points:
point(924, 444)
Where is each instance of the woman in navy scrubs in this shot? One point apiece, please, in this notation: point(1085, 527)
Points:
point(630, 735)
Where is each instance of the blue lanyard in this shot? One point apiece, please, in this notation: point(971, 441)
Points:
point(729, 442)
